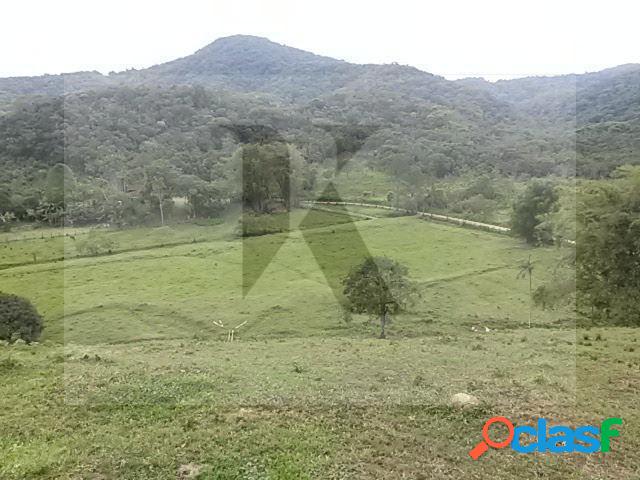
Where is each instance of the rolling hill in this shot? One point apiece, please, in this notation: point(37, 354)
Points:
point(418, 124)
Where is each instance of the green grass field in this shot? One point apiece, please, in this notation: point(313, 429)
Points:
point(134, 378)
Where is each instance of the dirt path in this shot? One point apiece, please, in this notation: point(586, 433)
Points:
point(432, 216)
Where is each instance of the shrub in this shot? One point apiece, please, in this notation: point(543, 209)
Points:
point(96, 244)
point(253, 225)
point(18, 319)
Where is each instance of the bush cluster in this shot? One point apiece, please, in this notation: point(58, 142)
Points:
point(18, 319)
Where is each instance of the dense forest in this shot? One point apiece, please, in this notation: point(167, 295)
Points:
point(418, 125)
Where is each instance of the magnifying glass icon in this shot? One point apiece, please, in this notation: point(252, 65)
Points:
point(477, 451)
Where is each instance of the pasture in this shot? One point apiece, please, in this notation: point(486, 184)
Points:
point(134, 378)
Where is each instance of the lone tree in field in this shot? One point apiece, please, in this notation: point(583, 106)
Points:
point(18, 319)
point(379, 286)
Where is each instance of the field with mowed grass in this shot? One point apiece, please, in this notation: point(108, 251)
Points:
point(134, 377)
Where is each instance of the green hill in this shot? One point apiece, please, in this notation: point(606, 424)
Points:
point(418, 125)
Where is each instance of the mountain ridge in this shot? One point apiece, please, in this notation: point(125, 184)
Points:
point(424, 123)
point(248, 46)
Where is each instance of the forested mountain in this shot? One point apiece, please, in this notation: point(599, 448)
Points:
point(409, 123)
point(247, 64)
point(13, 87)
point(602, 108)
point(86, 148)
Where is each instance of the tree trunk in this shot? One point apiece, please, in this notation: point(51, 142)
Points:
point(195, 209)
point(161, 210)
point(383, 323)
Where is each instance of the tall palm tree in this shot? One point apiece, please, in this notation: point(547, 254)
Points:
point(526, 269)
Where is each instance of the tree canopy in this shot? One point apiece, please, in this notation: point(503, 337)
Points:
point(608, 248)
point(379, 286)
point(538, 199)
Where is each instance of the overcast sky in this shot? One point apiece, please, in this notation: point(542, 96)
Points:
point(455, 38)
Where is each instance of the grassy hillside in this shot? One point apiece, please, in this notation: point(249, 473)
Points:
point(308, 409)
point(146, 387)
point(174, 282)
